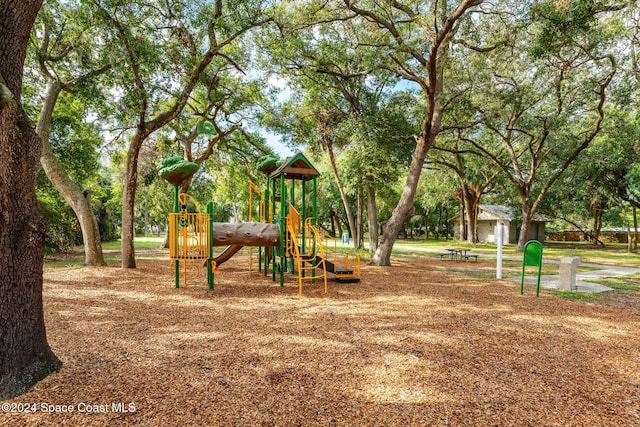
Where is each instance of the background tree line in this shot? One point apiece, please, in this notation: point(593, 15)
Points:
point(414, 111)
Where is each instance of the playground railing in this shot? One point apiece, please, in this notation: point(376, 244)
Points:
point(313, 248)
point(345, 257)
point(188, 236)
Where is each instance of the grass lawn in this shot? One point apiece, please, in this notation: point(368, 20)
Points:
point(612, 254)
point(626, 288)
point(149, 248)
point(111, 252)
point(152, 242)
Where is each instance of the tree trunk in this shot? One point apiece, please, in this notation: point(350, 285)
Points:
point(25, 355)
point(72, 194)
point(596, 210)
point(446, 223)
point(432, 86)
point(462, 227)
point(405, 204)
point(598, 227)
point(359, 219)
point(128, 203)
point(472, 203)
point(147, 127)
point(463, 222)
point(431, 127)
point(425, 223)
point(343, 195)
point(627, 224)
point(333, 222)
point(338, 223)
point(439, 224)
point(527, 215)
point(372, 217)
point(635, 229)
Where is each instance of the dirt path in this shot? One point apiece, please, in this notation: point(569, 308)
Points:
point(409, 345)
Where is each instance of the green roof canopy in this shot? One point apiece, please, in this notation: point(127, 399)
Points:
point(296, 167)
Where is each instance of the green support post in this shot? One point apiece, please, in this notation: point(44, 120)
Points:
point(267, 210)
point(292, 200)
point(303, 217)
point(273, 251)
point(283, 207)
point(292, 193)
point(314, 211)
point(210, 259)
point(176, 207)
point(314, 208)
point(259, 247)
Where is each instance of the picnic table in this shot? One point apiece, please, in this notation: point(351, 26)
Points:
point(458, 253)
point(453, 253)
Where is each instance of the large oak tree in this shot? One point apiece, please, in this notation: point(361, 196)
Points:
point(168, 48)
point(25, 355)
point(542, 111)
point(67, 60)
point(417, 38)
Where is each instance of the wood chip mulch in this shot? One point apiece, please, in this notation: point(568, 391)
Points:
point(407, 346)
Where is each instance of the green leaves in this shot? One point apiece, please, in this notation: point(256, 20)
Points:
point(206, 128)
point(559, 25)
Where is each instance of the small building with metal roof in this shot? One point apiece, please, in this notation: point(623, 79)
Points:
point(491, 215)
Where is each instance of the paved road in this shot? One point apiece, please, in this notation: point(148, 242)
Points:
point(552, 281)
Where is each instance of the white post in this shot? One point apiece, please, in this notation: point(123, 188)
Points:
point(568, 267)
point(499, 237)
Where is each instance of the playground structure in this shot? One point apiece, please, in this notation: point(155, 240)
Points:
point(288, 239)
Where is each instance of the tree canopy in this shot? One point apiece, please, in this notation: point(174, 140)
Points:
point(512, 98)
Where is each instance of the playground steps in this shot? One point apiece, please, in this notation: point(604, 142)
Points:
point(342, 275)
point(315, 257)
point(304, 268)
point(304, 260)
point(348, 279)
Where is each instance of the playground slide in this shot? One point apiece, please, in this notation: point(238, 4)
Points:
point(226, 254)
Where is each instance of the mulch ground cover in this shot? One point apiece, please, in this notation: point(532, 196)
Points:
point(409, 345)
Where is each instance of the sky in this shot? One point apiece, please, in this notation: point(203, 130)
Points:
point(278, 147)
